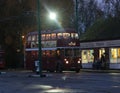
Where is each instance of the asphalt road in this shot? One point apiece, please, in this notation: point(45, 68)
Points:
point(67, 82)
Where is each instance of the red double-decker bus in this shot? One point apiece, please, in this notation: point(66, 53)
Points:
point(2, 59)
point(60, 50)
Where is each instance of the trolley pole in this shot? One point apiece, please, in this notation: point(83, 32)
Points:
point(39, 39)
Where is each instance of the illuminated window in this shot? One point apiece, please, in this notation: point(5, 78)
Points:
point(48, 53)
point(53, 52)
point(76, 36)
point(43, 53)
point(72, 35)
point(101, 52)
point(87, 56)
point(115, 55)
point(59, 35)
point(66, 35)
point(43, 36)
point(48, 36)
point(33, 38)
point(53, 36)
point(33, 45)
point(118, 52)
point(58, 52)
point(29, 38)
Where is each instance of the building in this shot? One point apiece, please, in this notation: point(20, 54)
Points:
point(92, 51)
point(102, 39)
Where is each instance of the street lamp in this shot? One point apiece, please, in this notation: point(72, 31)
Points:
point(52, 15)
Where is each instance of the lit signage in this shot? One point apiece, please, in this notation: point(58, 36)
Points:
point(72, 43)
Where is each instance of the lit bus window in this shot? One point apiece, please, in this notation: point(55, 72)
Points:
point(66, 35)
point(48, 36)
point(59, 35)
point(33, 45)
point(48, 53)
point(53, 52)
point(36, 43)
point(53, 36)
point(33, 38)
point(43, 37)
point(43, 53)
point(72, 35)
point(58, 52)
point(76, 36)
point(29, 38)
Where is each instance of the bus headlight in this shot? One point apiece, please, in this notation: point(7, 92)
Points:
point(66, 62)
point(78, 61)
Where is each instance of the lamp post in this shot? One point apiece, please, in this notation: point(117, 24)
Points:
point(39, 39)
point(76, 4)
point(53, 17)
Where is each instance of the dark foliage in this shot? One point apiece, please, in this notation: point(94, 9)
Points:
point(103, 29)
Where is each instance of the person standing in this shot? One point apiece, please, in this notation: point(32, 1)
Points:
point(103, 61)
point(59, 66)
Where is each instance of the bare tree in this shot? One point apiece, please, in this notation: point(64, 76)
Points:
point(112, 8)
point(88, 12)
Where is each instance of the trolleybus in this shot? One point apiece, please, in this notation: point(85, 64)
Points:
point(60, 50)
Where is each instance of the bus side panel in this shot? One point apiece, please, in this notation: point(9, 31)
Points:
point(30, 61)
point(49, 63)
point(2, 60)
point(2, 64)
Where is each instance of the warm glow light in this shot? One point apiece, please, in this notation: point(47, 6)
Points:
point(23, 36)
